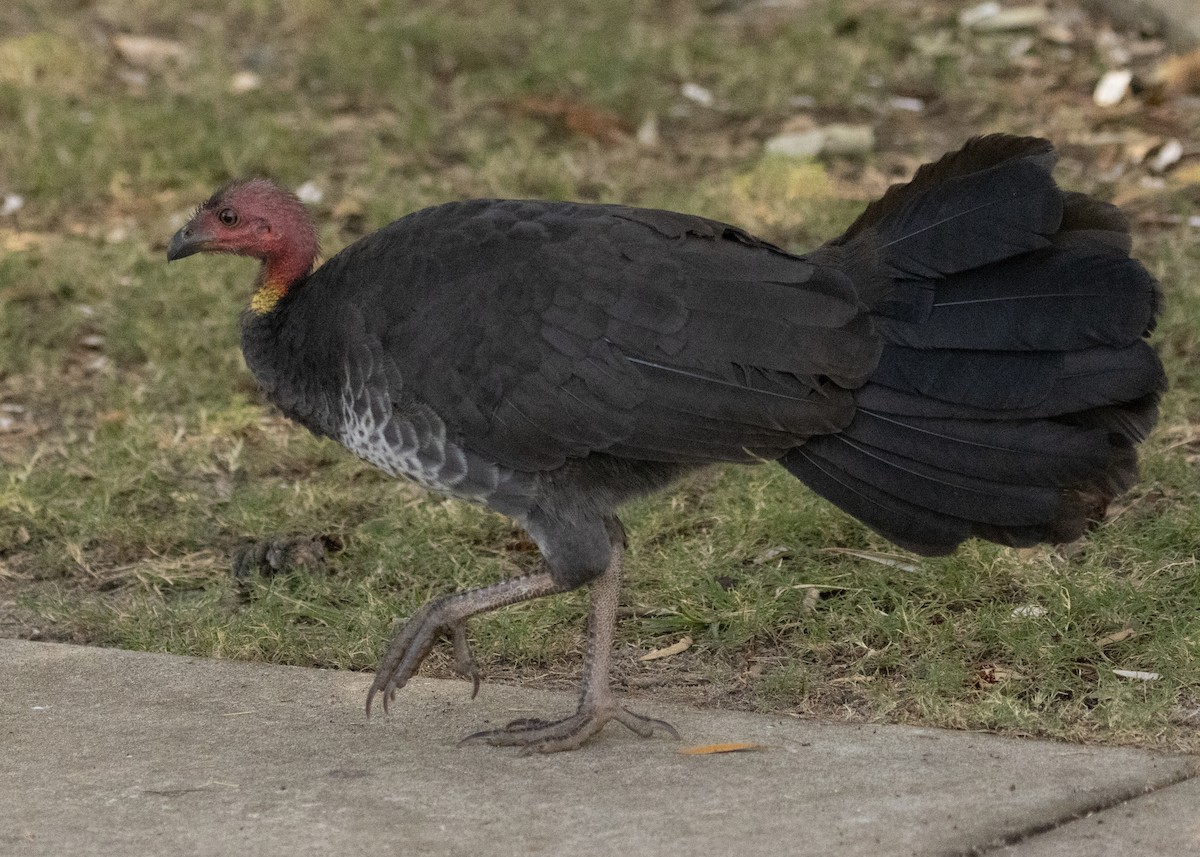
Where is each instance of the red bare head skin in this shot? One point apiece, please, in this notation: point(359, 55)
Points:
point(255, 218)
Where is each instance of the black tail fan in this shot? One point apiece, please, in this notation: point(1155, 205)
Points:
point(1015, 380)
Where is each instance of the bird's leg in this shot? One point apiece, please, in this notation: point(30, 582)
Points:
point(448, 615)
point(597, 702)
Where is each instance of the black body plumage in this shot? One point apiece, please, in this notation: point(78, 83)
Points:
point(968, 359)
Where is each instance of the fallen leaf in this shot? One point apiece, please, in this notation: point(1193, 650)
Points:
point(711, 749)
point(1137, 675)
point(1180, 73)
point(772, 553)
point(994, 674)
point(1028, 611)
point(13, 241)
point(596, 125)
point(668, 651)
point(1187, 174)
point(891, 560)
point(1115, 637)
point(582, 120)
point(148, 51)
point(991, 18)
point(348, 208)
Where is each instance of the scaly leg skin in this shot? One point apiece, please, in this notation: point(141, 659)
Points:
point(597, 702)
point(448, 615)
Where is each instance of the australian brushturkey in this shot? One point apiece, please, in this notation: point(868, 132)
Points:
point(968, 359)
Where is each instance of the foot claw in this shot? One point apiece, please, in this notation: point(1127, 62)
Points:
point(464, 660)
point(412, 643)
point(534, 735)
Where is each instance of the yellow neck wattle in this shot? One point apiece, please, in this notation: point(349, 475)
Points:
point(266, 297)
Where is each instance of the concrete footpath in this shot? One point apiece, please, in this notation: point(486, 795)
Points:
point(122, 753)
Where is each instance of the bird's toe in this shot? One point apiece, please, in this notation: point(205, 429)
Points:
point(464, 659)
point(535, 735)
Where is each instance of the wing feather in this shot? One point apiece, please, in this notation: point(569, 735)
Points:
point(567, 329)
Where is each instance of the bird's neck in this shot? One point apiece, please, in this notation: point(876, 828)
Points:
point(279, 274)
point(288, 259)
point(269, 291)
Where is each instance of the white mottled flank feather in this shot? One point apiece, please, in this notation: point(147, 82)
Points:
point(416, 447)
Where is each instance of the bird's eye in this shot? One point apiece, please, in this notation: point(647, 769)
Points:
point(228, 216)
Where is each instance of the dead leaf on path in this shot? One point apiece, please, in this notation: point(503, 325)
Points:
point(713, 749)
point(682, 646)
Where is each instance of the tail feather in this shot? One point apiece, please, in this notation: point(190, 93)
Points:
point(992, 199)
point(1015, 380)
point(1070, 295)
point(1096, 220)
point(1011, 387)
point(939, 489)
point(907, 524)
point(1026, 452)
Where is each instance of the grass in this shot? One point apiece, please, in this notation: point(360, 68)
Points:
point(139, 460)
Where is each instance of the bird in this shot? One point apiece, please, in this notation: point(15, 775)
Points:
point(969, 359)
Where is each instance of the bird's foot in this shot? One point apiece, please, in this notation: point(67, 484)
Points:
point(447, 616)
point(412, 644)
point(551, 736)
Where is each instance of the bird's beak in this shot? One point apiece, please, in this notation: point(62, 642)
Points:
point(187, 241)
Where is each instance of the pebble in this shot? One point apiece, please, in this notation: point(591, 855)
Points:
point(1112, 87)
